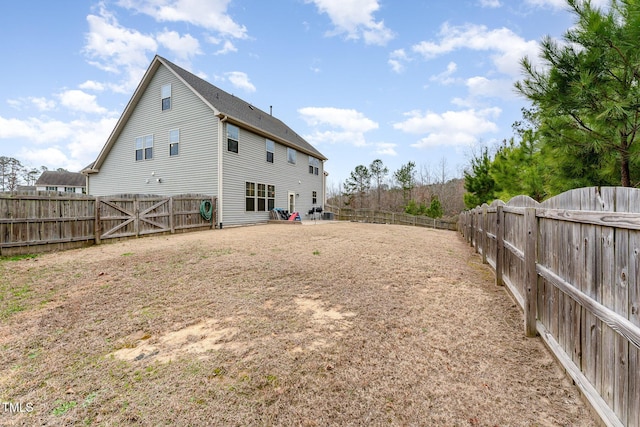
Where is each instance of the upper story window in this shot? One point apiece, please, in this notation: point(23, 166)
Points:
point(174, 142)
point(166, 97)
point(52, 188)
point(271, 148)
point(232, 138)
point(291, 156)
point(69, 189)
point(314, 165)
point(144, 147)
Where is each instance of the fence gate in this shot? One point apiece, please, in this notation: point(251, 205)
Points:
point(125, 216)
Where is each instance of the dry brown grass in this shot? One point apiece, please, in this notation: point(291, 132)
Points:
point(334, 324)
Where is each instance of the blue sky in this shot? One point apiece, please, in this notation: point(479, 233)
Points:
point(423, 81)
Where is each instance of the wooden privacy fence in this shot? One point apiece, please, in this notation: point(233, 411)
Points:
point(382, 217)
point(46, 221)
point(573, 264)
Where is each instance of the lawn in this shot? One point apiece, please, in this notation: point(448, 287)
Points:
point(327, 324)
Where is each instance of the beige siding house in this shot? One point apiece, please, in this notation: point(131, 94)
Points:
point(61, 181)
point(180, 134)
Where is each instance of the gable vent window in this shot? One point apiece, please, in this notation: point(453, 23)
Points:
point(233, 134)
point(166, 97)
point(270, 150)
point(174, 142)
point(144, 147)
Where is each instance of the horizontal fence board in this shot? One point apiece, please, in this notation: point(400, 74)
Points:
point(621, 220)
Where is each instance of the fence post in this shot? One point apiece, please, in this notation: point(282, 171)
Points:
point(136, 216)
point(499, 245)
point(471, 231)
point(172, 222)
point(530, 275)
point(96, 223)
point(485, 237)
point(476, 223)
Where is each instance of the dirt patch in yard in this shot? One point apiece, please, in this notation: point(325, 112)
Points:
point(331, 324)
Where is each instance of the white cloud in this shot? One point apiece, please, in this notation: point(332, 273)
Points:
point(397, 59)
point(385, 149)
point(71, 145)
point(77, 100)
point(562, 4)
point(210, 14)
point(240, 80)
point(183, 47)
point(344, 126)
point(43, 104)
point(508, 47)
point(92, 85)
point(347, 119)
point(227, 47)
point(47, 157)
point(496, 88)
point(114, 48)
point(451, 128)
point(445, 77)
point(491, 3)
point(355, 19)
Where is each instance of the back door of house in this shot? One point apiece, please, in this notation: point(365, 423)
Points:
point(292, 202)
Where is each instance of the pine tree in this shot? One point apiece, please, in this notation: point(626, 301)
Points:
point(588, 95)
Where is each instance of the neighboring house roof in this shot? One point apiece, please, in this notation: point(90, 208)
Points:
point(223, 104)
point(61, 179)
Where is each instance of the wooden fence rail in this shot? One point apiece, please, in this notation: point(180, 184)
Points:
point(573, 264)
point(46, 221)
point(383, 217)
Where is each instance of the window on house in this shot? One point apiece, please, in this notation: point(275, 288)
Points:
point(250, 197)
point(291, 156)
point(52, 188)
point(314, 165)
point(262, 197)
point(166, 97)
point(232, 138)
point(314, 197)
point(148, 147)
point(69, 189)
point(139, 149)
point(270, 150)
point(144, 147)
point(174, 141)
point(271, 197)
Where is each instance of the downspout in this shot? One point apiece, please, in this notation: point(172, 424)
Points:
point(324, 186)
point(220, 183)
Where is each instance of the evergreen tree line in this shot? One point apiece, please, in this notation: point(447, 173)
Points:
point(417, 191)
point(582, 127)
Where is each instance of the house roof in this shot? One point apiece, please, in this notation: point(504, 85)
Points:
point(223, 104)
point(61, 178)
point(243, 112)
